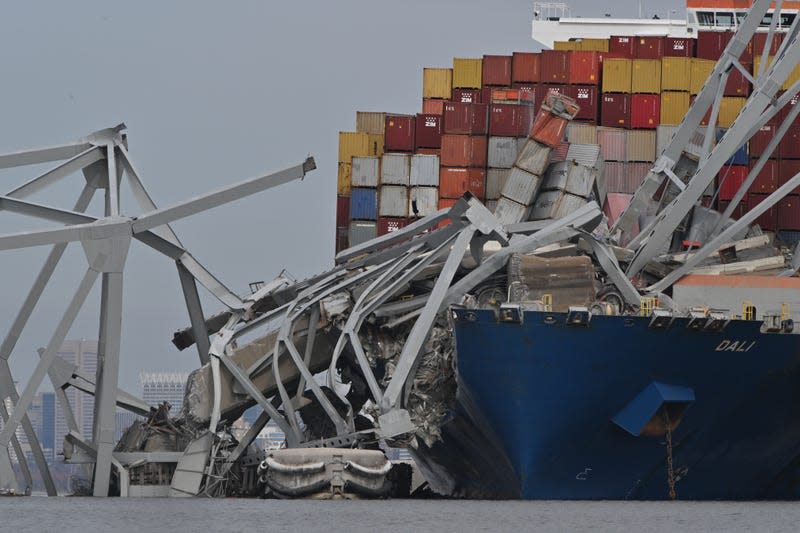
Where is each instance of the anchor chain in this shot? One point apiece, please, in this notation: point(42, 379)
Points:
point(670, 469)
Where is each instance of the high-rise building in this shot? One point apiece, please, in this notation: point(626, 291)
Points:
point(83, 354)
point(158, 387)
point(47, 426)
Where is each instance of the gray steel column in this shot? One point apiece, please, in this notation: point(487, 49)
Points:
point(107, 380)
point(21, 460)
point(195, 309)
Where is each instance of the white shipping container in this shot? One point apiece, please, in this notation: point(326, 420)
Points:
point(491, 205)
point(640, 145)
point(495, 181)
point(569, 203)
point(581, 133)
point(510, 212)
point(664, 135)
point(364, 172)
point(424, 170)
point(395, 169)
point(393, 201)
point(521, 186)
point(546, 205)
point(362, 231)
point(423, 201)
point(502, 152)
point(534, 157)
point(612, 143)
point(570, 177)
point(585, 154)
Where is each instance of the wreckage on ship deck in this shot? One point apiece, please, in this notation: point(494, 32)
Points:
point(365, 355)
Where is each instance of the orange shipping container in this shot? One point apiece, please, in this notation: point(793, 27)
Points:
point(584, 68)
point(463, 150)
point(454, 182)
point(432, 107)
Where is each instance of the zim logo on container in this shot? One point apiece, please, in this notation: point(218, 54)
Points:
point(734, 346)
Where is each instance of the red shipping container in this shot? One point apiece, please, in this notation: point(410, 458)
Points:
point(711, 44)
point(342, 211)
point(738, 211)
point(432, 106)
point(525, 67)
point(342, 239)
point(549, 129)
point(454, 182)
point(555, 66)
point(512, 96)
point(760, 42)
point(615, 110)
point(789, 147)
point(730, 179)
point(497, 70)
point(509, 120)
point(528, 92)
point(767, 220)
point(781, 115)
point(545, 89)
point(446, 202)
point(622, 46)
point(584, 68)
point(645, 111)
point(737, 84)
point(789, 212)
point(760, 140)
point(428, 131)
point(466, 96)
point(465, 118)
point(463, 151)
point(587, 97)
point(767, 180)
point(679, 47)
point(390, 224)
point(399, 134)
point(559, 153)
point(486, 95)
point(648, 47)
point(787, 169)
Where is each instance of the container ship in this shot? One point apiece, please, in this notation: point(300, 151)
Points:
point(558, 404)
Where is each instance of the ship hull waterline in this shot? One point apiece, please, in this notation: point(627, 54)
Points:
point(547, 410)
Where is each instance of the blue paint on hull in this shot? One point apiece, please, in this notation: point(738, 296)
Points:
point(547, 394)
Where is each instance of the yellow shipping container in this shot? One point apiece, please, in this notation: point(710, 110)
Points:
point(617, 75)
point(593, 45)
point(370, 122)
point(467, 73)
point(793, 77)
point(375, 144)
point(701, 70)
point(676, 73)
point(343, 180)
point(566, 45)
point(674, 106)
point(353, 143)
point(729, 109)
point(646, 76)
point(437, 83)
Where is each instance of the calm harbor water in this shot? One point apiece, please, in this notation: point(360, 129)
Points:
point(118, 515)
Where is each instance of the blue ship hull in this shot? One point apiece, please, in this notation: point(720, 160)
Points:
point(548, 410)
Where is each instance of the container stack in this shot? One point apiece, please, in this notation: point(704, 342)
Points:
point(362, 148)
point(633, 92)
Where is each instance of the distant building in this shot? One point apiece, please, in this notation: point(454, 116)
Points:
point(83, 354)
point(158, 387)
point(122, 421)
point(47, 426)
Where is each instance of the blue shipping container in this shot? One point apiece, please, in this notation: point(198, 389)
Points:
point(363, 204)
point(741, 156)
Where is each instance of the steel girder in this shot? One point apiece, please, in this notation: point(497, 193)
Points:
point(104, 160)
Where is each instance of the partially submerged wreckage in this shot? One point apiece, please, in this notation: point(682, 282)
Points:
point(530, 352)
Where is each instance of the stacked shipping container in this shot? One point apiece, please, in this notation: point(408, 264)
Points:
point(633, 92)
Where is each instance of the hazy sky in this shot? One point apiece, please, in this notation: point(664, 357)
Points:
point(212, 93)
